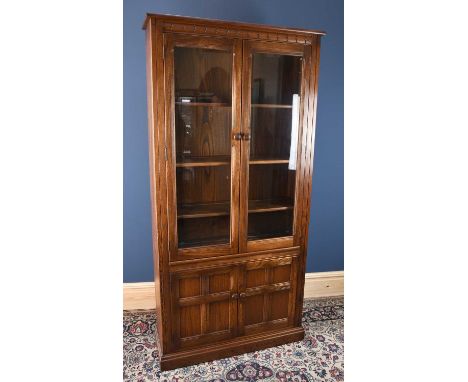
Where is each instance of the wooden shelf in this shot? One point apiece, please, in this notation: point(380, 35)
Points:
point(258, 206)
point(269, 235)
point(271, 106)
point(221, 160)
point(269, 161)
point(206, 104)
point(194, 211)
point(208, 241)
point(206, 162)
point(190, 211)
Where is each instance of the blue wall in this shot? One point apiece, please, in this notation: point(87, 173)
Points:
point(326, 226)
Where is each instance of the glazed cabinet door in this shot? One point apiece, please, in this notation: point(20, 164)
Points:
point(202, 78)
point(204, 306)
point(267, 295)
point(272, 107)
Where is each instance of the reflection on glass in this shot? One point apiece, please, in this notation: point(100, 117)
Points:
point(202, 83)
point(274, 128)
point(294, 132)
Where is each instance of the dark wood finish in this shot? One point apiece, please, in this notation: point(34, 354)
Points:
point(219, 190)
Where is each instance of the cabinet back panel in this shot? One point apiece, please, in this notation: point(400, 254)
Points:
point(270, 133)
point(202, 131)
point(270, 224)
point(201, 73)
point(271, 182)
point(203, 231)
point(275, 78)
point(203, 184)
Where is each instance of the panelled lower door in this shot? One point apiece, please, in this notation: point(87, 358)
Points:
point(267, 294)
point(272, 94)
point(204, 306)
point(202, 78)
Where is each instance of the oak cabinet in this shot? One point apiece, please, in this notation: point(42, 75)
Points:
point(231, 112)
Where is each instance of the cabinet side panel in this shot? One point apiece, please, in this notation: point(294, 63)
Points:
point(303, 113)
point(312, 58)
point(156, 139)
point(302, 180)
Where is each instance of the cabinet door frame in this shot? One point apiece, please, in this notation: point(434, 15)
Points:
point(203, 300)
point(267, 290)
point(293, 49)
point(234, 46)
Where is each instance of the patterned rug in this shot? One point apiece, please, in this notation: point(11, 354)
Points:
point(319, 357)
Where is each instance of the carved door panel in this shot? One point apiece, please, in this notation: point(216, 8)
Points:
point(204, 305)
point(267, 294)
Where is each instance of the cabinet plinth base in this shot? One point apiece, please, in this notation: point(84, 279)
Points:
point(230, 348)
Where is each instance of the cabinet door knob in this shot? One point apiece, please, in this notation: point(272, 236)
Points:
point(246, 137)
point(242, 295)
point(234, 295)
point(237, 136)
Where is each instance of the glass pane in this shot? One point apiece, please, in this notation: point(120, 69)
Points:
point(271, 201)
point(203, 100)
point(274, 124)
point(275, 78)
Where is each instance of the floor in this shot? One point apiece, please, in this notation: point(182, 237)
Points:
point(319, 357)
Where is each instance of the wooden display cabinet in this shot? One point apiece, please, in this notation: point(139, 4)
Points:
point(231, 130)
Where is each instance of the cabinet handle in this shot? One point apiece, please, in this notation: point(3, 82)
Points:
point(234, 295)
point(242, 295)
point(240, 136)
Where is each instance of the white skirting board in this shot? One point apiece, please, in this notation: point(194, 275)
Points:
point(324, 284)
point(317, 284)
